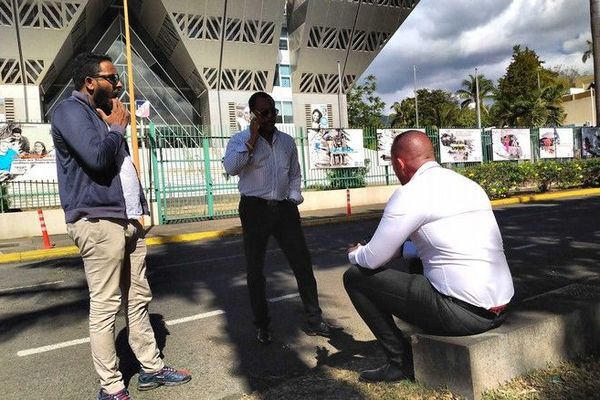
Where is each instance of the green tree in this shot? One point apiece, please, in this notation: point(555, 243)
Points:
point(365, 109)
point(587, 54)
point(469, 92)
point(528, 94)
point(396, 118)
point(437, 108)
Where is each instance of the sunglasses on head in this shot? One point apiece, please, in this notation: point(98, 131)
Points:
point(114, 79)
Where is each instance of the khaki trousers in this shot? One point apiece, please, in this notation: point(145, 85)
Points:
point(114, 259)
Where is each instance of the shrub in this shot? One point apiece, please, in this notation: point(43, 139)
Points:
point(346, 178)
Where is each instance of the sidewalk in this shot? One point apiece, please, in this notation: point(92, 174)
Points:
point(31, 248)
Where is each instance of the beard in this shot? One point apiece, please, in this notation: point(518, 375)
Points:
point(103, 100)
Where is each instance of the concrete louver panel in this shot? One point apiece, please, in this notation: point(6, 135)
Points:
point(50, 31)
point(226, 44)
point(321, 33)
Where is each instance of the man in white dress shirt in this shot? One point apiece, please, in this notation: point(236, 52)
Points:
point(466, 283)
point(266, 161)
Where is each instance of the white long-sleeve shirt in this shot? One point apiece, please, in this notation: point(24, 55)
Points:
point(268, 172)
point(450, 220)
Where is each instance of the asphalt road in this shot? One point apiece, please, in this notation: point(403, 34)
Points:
point(202, 317)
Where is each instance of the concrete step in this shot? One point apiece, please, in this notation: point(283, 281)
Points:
point(549, 328)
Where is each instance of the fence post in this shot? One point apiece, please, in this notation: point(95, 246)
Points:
point(210, 201)
point(303, 157)
point(155, 176)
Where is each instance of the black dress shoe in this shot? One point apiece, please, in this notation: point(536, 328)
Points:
point(386, 373)
point(321, 328)
point(264, 336)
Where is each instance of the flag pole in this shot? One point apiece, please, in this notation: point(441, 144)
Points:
point(131, 91)
point(477, 99)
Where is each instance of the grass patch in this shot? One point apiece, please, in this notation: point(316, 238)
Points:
point(575, 380)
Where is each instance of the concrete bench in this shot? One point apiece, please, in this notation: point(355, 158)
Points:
point(555, 326)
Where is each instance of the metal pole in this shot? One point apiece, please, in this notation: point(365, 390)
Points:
point(593, 106)
point(416, 101)
point(340, 94)
point(131, 91)
point(477, 99)
point(21, 60)
point(220, 71)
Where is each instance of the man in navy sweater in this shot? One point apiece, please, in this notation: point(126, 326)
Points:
point(103, 201)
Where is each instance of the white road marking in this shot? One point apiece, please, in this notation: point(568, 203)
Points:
point(205, 260)
point(196, 317)
point(525, 246)
point(51, 347)
point(287, 296)
point(29, 286)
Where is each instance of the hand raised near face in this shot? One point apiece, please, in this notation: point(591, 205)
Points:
point(118, 116)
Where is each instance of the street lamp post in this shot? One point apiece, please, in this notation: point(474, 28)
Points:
point(477, 99)
point(416, 101)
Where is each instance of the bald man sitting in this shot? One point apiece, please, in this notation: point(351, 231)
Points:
point(466, 283)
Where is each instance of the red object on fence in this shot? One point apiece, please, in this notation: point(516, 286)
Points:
point(348, 206)
point(45, 236)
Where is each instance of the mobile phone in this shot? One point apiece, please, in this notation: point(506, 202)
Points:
point(252, 116)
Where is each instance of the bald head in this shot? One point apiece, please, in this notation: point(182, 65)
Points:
point(410, 150)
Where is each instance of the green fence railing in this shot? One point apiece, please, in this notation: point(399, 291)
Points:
point(184, 179)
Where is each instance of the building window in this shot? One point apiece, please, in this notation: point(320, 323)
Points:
point(283, 39)
point(285, 72)
point(286, 112)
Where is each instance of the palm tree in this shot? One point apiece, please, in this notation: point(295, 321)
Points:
point(595, 47)
point(469, 91)
point(396, 118)
point(589, 52)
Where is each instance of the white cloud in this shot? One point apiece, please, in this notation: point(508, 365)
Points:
point(447, 40)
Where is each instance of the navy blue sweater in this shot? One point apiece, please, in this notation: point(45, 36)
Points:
point(86, 162)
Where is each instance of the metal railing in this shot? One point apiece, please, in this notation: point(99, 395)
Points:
point(182, 173)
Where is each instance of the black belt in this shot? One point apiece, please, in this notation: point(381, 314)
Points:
point(494, 312)
point(269, 203)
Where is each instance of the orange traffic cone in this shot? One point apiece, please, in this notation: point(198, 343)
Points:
point(45, 236)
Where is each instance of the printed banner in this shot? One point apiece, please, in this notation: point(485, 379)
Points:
point(385, 138)
point(318, 116)
point(242, 116)
point(460, 145)
point(590, 142)
point(511, 144)
point(336, 148)
point(26, 152)
point(556, 143)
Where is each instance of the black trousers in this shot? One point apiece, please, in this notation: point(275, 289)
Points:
point(261, 219)
point(380, 294)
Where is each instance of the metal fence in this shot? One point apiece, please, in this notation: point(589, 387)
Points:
point(183, 176)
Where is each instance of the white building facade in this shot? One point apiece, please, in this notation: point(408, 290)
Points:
point(198, 62)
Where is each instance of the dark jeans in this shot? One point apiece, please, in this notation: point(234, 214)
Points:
point(380, 294)
point(261, 219)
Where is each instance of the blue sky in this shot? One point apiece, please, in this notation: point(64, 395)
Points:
point(447, 40)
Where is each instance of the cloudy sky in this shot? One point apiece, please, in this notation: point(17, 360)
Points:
point(447, 40)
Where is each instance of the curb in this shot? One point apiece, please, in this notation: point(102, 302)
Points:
point(71, 251)
point(68, 251)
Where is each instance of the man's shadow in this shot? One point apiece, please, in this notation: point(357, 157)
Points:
point(128, 363)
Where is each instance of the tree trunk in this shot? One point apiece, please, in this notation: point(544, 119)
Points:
point(595, 24)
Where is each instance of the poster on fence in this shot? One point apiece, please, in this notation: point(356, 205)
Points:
point(385, 138)
point(556, 142)
point(511, 144)
point(336, 148)
point(318, 116)
point(460, 145)
point(26, 152)
point(590, 142)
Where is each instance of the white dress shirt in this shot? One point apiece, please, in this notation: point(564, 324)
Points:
point(268, 172)
point(450, 220)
